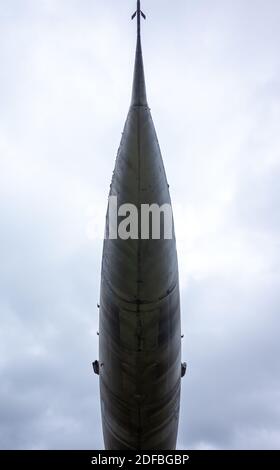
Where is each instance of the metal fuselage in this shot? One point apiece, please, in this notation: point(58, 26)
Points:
point(140, 328)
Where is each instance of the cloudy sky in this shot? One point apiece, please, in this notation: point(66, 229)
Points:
point(212, 72)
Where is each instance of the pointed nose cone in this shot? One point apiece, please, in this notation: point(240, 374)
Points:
point(139, 322)
point(139, 96)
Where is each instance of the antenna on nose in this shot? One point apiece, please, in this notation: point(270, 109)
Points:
point(138, 13)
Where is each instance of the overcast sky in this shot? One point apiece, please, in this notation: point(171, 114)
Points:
point(212, 72)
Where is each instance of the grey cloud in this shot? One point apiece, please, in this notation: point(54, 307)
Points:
point(212, 75)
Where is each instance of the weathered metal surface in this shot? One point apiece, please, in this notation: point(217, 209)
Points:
point(140, 330)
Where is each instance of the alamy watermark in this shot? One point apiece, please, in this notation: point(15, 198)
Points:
point(150, 222)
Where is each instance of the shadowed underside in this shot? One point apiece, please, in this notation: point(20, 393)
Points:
point(139, 331)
